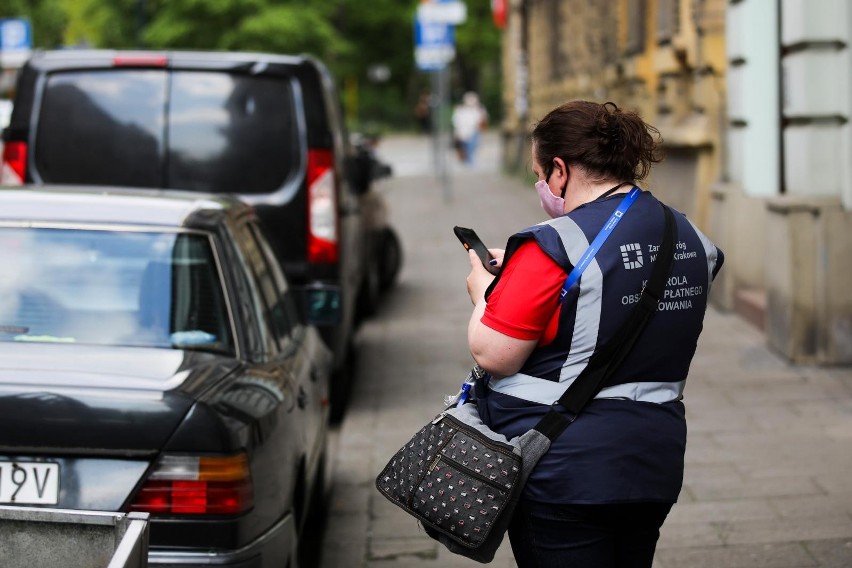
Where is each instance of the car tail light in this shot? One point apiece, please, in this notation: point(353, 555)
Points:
point(14, 166)
point(197, 485)
point(322, 207)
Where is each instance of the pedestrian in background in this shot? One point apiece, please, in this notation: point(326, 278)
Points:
point(469, 119)
point(423, 112)
point(598, 497)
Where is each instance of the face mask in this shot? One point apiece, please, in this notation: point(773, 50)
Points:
point(552, 205)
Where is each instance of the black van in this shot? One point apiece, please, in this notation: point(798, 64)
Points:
point(268, 128)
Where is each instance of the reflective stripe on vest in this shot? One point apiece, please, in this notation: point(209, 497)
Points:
point(533, 389)
point(587, 320)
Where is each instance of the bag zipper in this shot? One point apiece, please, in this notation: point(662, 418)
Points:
point(439, 447)
point(455, 463)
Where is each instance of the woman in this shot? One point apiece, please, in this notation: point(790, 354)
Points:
point(468, 118)
point(600, 494)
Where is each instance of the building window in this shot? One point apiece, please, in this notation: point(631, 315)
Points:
point(709, 16)
point(636, 10)
point(559, 64)
point(607, 52)
point(668, 20)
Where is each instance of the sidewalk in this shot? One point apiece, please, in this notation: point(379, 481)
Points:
point(769, 460)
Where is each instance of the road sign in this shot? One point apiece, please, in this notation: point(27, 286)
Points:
point(451, 12)
point(434, 45)
point(16, 41)
point(15, 34)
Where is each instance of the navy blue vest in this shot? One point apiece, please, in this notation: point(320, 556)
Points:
point(628, 443)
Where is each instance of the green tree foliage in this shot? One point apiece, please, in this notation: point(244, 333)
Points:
point(291, 29)
point(351, 36)
point(478, 50)
point(200, 24)
point(115, 24)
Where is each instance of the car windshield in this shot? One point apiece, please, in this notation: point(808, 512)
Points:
point(107, 287)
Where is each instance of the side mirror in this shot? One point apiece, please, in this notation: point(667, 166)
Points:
point(360, 166)
point(322, 304)
point(364, 165)
point(381, 170)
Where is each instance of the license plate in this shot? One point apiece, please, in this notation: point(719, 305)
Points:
point(29, 483)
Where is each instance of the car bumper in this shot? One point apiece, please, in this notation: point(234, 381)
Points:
point(270, 549)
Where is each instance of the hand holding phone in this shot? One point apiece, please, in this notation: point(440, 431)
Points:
point(471, 241)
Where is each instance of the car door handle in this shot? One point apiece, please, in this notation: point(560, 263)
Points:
point(302, 398)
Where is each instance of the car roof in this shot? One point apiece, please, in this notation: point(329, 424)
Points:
point(117, 206)
point(70, 58)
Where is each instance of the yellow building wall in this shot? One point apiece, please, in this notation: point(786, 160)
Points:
point(580, 49)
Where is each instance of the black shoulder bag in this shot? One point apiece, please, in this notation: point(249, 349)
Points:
point(461, 480)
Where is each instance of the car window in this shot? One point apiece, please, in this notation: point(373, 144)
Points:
point(197, 130)
point(102, 127)
point(277, 318)
point(286, 310)
point(143, 289)
point(248, 254)
point(230, 133)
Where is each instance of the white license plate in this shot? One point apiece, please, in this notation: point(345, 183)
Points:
point(29, 483)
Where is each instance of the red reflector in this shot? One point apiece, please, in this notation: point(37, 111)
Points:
point(140, 60)
point(319, 161)
point(154, 497)
point(189, 497)
point(322, 207)
point(321, 251)
point(194, 497)
point(15, 160)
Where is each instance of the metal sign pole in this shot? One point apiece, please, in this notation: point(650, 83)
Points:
point(444, 170)
point(435, 108)
point(434, 48)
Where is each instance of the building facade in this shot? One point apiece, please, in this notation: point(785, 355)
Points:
point(752, 98)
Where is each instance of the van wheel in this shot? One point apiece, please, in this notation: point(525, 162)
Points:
point(368, 295)
point(390, 258)
point(341, 386)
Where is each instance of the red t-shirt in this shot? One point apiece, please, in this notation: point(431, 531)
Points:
point(525, 302)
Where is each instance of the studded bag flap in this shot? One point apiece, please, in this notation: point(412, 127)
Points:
point(461, 480)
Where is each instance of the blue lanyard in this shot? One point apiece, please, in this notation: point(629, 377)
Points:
point(604, 233)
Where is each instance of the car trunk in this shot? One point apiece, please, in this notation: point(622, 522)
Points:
point(79, 426)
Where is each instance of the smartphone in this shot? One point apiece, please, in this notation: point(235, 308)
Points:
point(470, 240)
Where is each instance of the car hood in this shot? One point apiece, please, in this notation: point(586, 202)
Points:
point(75, 398)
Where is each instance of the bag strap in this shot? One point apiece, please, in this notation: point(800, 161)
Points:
point(607, 359)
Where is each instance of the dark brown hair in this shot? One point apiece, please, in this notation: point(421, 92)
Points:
point(603, 139)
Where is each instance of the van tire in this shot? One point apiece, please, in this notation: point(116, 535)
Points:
point(370, 291)
point(341, 386)
point(390, 258)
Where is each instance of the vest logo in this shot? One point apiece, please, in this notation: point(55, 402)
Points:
point(632, 256)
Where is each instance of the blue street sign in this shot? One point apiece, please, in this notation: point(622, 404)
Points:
point(434, 45)
point(15, 34)
point(433, 35)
